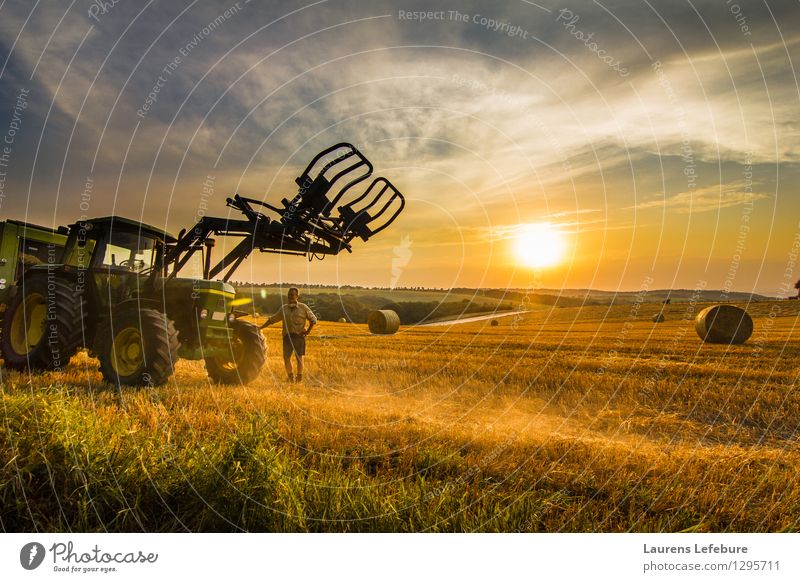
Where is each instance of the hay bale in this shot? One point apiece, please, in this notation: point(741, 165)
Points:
point(342, 320)
point(658, 318)
point(383, 322)
point(495, 323)
point(724, 324)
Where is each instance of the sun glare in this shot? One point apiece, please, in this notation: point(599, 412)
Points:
point(539, 245)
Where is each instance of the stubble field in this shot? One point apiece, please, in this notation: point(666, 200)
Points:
point(565, 419)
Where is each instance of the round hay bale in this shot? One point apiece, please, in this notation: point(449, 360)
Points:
point(658, 318)
point(342, 320)
point(495, 323)
point(724, 324)
point(383, 322)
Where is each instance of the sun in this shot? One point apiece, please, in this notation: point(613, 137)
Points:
point(539, 245)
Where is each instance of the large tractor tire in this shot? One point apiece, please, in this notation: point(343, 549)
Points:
point(245, 359)
point(138, 347)
point(43, 325)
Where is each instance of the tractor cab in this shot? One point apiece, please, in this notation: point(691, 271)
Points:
point(124, 262)
point(116, 244)
point(113, 257)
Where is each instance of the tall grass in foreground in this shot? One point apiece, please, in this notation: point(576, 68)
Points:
point(540, 428)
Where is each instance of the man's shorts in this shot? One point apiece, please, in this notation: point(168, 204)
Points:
point(294, 343)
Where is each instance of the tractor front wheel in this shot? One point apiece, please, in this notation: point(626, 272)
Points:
point(43, 327)
point(138, 347)
point(244, 357)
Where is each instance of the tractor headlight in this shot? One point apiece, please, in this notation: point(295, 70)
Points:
point(231, 318)
point(203, 313)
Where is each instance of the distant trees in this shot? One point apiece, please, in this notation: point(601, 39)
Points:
point(356, 308)
point(797, 286)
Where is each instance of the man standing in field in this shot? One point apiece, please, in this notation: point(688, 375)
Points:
point(294, 316)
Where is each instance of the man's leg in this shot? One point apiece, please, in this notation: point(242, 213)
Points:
point(299, 367)
point(287, 357)
point(287, 362)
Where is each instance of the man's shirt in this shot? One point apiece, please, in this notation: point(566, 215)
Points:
point(294, 317)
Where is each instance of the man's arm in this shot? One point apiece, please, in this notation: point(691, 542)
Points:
point(274, 318)
point(312, 320)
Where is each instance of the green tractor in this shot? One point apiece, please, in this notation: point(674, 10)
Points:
point(111, 284)
point(106, 293)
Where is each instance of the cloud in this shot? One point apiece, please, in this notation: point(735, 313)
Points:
point(710, 199)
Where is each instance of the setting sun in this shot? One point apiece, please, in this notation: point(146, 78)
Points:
point(539, 245)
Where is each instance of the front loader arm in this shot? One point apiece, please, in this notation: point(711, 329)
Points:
point(303, 225)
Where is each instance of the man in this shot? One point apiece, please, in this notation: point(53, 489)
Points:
point(294, 316)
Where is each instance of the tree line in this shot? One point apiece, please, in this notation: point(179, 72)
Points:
point(356, 309)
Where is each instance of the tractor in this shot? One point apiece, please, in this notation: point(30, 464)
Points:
point(111, 284)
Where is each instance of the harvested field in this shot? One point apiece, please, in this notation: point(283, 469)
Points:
point(567, 419)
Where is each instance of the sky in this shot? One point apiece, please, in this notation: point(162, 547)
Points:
point(661, 140)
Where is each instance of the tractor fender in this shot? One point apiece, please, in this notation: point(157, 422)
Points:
point(61, 271)
point(140, 303)
point(52, 270)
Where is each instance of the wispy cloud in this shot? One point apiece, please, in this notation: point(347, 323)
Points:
point(710, 199)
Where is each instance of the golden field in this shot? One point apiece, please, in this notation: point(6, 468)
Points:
point(566, 419)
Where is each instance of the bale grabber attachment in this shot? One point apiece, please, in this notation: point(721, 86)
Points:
point(335, 203)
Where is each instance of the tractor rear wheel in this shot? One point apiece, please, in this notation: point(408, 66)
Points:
point(43, 325)
point(138, 347)
point(244, 359)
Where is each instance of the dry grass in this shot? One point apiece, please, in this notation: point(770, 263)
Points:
point(589, 419)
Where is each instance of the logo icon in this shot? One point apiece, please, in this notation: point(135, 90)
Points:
point(31, 555)
point(402, 255)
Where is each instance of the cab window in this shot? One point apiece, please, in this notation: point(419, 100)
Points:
point(129, 251)
point(33, 253)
